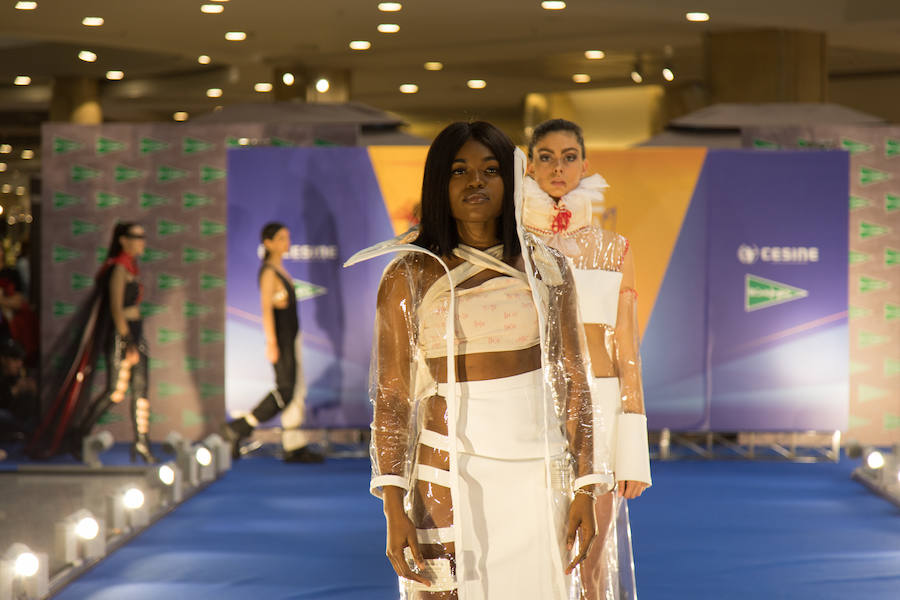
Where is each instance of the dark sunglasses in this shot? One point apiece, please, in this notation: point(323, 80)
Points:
point(135, 236)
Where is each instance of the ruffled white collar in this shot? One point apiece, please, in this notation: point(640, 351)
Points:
point(545, 216)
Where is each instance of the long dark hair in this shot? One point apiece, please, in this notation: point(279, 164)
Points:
point(556, 125)
point(268, 232)
point(438, 231)
point(115, 246)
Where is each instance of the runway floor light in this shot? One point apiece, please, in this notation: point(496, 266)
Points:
point(167, 478)
point(79, 537)
point(166, 474)
point(184, 458)
point(133, 498)
point(93, 445)
point(879, 470)
point(221, 452)
point(24, 574)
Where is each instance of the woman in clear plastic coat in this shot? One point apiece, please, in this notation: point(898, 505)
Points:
point(482, 434)
point(559, 201)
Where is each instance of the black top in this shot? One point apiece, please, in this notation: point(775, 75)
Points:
point(132, 293)
point(287, 323)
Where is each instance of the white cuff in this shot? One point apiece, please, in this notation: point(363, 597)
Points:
point(605, 481)
point(382, 480)
point(632, 450)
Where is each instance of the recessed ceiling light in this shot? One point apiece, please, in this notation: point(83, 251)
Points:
point(476, 84)
point(388, 28)
point(360, 45)
point(434, 65)
point(581, 78)
point(697, 17)
point(87, 56)
point(2, 167)
point(552, 5)
point(26, 5)
point(27, 154)
point(212, 9)
point(115, 75)
point(389, 6)
point(5, 148)
point(637, 77)
point(7, 188)
point(322, 85)
point(204, 59)
point(22, 80)
point(594, 54)
point(236, 36)
point(263, 86)
point(20, 190)
point(288, 79)
point(668, 74)
point(214, 93)
point(180, 116)
point(92, 21)
point(409, 88)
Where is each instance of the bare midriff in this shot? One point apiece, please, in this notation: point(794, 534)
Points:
point(600, 346)
point(132, 313)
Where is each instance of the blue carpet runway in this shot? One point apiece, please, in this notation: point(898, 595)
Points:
point(706, 530)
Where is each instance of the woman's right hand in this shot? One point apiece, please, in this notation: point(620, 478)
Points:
point(272, 352)
point(401, 533)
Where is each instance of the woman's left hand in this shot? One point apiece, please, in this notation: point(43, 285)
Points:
point(580, 523)
point(631, 489)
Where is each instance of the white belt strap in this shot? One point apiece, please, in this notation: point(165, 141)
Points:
point(434, 440)
point(438, 535)
point(433, 475)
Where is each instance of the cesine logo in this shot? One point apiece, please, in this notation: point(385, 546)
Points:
point(748, 254)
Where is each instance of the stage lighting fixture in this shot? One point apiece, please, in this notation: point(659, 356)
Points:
point(322, 85)
point(203, 59)
point(22, 80)
point(235, 36)
point(434, 65)
point(80, 536)
point(5, 149)
point(594, 54)
point(879, 471)
point(874, 459)
point(133, 498)
point(262, 87)
point(180, 116)
point(27, 154)
point(697, 17)
point(24, 574)
point(184, 458)
point(636, 75)
point(26, 5)
point(388, 28)
point(221, 452)
point(92, 21)
point(167, 479)
point(115, 75)
point(360, 45)
point(166, 474)
point(127, 508)
point(409, 88)
point(668, 74)
point(87, 56)
point(93, 445)
point(203, 458)
point(476, 84)
point(288, 79)
point(581, 78)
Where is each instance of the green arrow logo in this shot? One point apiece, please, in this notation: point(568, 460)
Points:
point(194, 364)
point(867, 393)
point(193, 255)
point(891, 203)
point(891, 367)
point(64, 146)
point(209, 228)
point(867, 339)
point(208, 282)
point(166, 228)
point(106, 200)
point(166, 389)
point(210, 174)
point(167, 336)
point(856, 368)
point(81, 173)
point(855, 421)
point(191, 418)
point(765, 145)
point(80, 228)
point(208, 390)
point(149, 200)
point(891, 148)
point(156, 417)
point(192, 309)
point(870, 230)
point(858, 312)
point(100, 254)
point(211, 336)
point(149, 145)
point(168, 282)
point(79, 281)
point(153, 255)
point(149, 309)
point(109, 417)
point(106, 146)
point(854, 147)
point(62, 200)
point(891, 257)
point(62, 254)
point(858, 257)
point(870, 284)
point(868, 176)
point(281, 143)
point(857, 202)
point(125, 173)
point(156, 364)
point(321, 142)
point(195, 146)
point(891, 421)
point(891, 312)
point(63, 309)
point(760, 293)
point(191, 201)
point(101, 363)
point(305, 290)
point(167, 174)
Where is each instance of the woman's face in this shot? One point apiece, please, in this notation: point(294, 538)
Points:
point(557, 164)
point(134, 242)
point(476, 187)
point(280, 242)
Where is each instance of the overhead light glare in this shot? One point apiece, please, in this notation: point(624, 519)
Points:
point(552, 5)
point(388, 28)
point(20, 190)
point(594, 54)
point(323, 85)
point(3, 167)
point(288, 79)
point(92, 21)
point(581, 78)
point(115, 75)
point(263, 86)
point(697, 17)
point(476, 84)
point(27, 154)
point(434, 65)
point(214, 93)
point(360, 45)
point(87, 56)
point(212, 9)
point(236, 36)
point(6, 188)
point(133, 498)
point(668, 74)
point(180, 116)
point(26, 5)
point(204, 59)
point(22, 80)
point(27, 563)
point(389, 6)
point(5, 148)
point(409, 88)
point(87, 528)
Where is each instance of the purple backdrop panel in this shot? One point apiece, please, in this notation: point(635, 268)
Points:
point(777, 290)
point(330, 201)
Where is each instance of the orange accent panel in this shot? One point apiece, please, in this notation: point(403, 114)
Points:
point(399, 173)
point(650, 189)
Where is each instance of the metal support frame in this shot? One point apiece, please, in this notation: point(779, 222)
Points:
point(794, 446)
